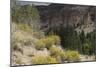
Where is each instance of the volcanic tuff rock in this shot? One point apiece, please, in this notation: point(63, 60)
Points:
point(78, 17)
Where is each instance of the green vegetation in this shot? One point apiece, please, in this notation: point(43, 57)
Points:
point(72, 40)
point(44, 60)
point(55, 38)
point(40, 44)
point(57, 52)
point(69, 38)
point(24, 27)
point(91, 40)
point(72, 56)
point(48, 42)
point(52, 40)
point(24, 13)
point(27, 16)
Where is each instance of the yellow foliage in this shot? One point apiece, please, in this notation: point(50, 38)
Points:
point(24, 27)
point(48, 41)
point(52, 40)
point(58, 52)
point(55, 38)
point(40, 44)
point(72, 56)
point(44, 60)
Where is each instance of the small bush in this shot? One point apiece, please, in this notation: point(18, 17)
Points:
point(40, 44)
point(24, 27)
point(52, 40)
point(44, 60)
point(72, 56)
point(56, 39)
point(62, 55)
point(51, 60)
point(58, 53)
point(47, 42)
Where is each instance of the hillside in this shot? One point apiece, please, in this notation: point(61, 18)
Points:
point(54, 33)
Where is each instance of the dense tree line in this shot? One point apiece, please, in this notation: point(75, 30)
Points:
point(71, 40)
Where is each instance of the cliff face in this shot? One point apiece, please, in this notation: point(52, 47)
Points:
point(78, 17)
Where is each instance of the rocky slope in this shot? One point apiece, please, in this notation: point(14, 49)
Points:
point(23, 46)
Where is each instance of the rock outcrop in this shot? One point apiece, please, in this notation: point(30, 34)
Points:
point(79, 17)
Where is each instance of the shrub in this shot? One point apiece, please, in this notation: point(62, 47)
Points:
point(86, 48)
point(51, 60)
point(72, 56)
point(44, 60)
point(55, 38)
point(52, 40)
point(47, 42)
point(62, 55)
point(40, 44)
point(24, 27)
point(58, 53)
